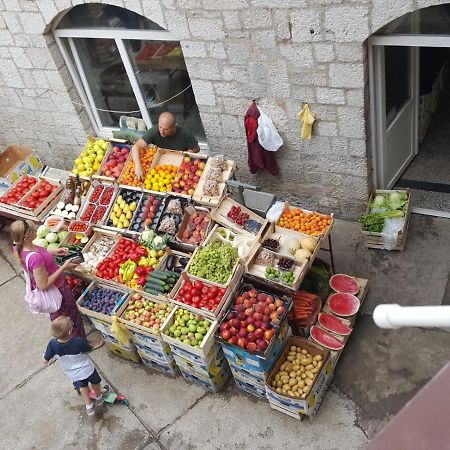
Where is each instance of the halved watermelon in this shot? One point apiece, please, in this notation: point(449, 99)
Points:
point(344, 305)
point(324, 338)
point(334, 324)
point(344, 283)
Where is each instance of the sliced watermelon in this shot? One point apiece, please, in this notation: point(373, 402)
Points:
point(324, 338)
point(344, 305)
point(334, 324)
point(344, 283)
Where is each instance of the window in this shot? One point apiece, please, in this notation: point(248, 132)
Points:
point(125, 64)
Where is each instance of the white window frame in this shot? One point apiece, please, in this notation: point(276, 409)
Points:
point(76, 69)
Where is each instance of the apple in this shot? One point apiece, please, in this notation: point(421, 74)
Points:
point(241, 343)
point(252, 346)
point(259, 333)
point(242, 333)
point(250, 328)
point(226, 334)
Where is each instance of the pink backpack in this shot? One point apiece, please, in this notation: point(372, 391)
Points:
point(39, 301)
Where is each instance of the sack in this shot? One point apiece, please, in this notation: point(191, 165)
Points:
point(268, 136)
point(38, 301)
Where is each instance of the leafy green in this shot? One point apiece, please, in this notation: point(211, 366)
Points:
point(397, 200)
point(378, 202)
point(375, 222)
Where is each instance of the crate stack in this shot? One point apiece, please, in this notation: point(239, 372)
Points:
point(250, 370)
point(203, 364)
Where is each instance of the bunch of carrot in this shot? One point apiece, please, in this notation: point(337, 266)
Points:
point(304, 304)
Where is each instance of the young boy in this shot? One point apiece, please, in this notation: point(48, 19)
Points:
point(72, 355)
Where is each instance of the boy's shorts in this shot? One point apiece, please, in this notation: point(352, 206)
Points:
point(94, 378)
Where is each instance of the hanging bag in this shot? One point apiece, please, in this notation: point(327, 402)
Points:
point(39, 301)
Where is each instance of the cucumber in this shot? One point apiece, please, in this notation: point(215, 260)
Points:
point(152, 291)
point(159, 275)
point(156, 280)
point(159, 287)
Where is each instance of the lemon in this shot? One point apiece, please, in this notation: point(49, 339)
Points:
point(153, 261)
point(112, 216)
point(122, 217)
point(96, 166)
point(104, 145)
point(95, 148)
point(78, 161)
point(152, 254)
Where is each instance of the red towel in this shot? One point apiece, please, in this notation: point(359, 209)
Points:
point(258, 157)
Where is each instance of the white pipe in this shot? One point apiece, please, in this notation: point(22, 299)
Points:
point(395, 316)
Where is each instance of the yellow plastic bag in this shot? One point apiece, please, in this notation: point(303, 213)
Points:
point(307, 118)
point(120, 332)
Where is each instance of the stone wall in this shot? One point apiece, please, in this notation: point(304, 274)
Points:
point(281, 52)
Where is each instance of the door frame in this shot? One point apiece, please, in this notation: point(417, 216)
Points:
point(401, 40)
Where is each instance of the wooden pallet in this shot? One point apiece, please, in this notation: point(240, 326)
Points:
point(376, 240)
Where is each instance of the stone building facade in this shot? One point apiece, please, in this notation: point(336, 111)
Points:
point(280, 52)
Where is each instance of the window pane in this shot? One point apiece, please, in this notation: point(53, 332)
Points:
point(161, 72)
point(397, 69)
point(105, 16)
point(107, 79)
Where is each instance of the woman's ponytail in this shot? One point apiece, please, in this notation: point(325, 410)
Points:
point(19, 231)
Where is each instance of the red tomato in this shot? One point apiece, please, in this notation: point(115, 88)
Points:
point(198, 285)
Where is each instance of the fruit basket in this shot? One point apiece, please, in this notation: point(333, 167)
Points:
point(104, 300)
point(92, 156)
point(188, 175)
point(238, 218)
point(304, 221)
point(148, 212)
point(123, 209)
point(202, 347)
point(202, 297)
point(153, 305)
point(194, 227)
point(210, 189)
point(114, 162)
point(128, 177)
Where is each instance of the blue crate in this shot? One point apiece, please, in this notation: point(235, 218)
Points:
point(147, 340)
point(162, 355)
point(111, 339)
point(168, 369)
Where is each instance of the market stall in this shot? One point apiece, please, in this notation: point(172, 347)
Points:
point(182, 278)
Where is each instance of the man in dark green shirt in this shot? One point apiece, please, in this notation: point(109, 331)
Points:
point(164, 135)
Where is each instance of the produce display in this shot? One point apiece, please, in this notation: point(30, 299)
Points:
point(96, 205)
point(123, 210)
point(240, 217)
point(129, 177)
point(272, 273)
point(78, 227)
point(271, 244)
point(188, 328)
point(383, 207)
point(39, 194)
point(148, 213)
point(311, 223)
point(214, 262)
point(285, 264)
point(241, 242)
point(302, 249)
point(47, 239)
point(343, 305)
point(265, 257)
point(200, 295)
point(160, 282)
point(89, 160)
point(298, 373)
point(96, 253)
point(196, 228)
point(344, 283)
point(146, 313)
point(75, 242)
point(188, 176)
point(252, 226)
point(19, 190)
point(326, 339)
point(332, 323)
point(160, 178)
point(102, 300)
point(305, 307)
point(66, 210)
point(115, 161)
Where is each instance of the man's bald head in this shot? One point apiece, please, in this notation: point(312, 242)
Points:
point(167, 124)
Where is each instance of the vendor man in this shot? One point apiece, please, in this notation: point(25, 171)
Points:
point(164, 135)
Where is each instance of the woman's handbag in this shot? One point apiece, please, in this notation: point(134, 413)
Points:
point(39, 301)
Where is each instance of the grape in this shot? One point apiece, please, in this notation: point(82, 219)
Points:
point(214, 262)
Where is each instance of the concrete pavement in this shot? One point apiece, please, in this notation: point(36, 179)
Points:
point(377, 374)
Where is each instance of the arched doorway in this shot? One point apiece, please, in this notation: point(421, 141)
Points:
point(410, 107)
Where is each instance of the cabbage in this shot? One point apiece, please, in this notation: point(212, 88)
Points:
point(40, 242)
point(378, 201)
point(52, 246)
point(62, 235)
point(397, 200)
point(42, 231)
point(51, 237)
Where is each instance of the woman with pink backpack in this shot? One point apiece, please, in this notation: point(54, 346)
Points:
point(47, 290)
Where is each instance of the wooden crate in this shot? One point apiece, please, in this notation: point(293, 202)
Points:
point(190, 209)
point(129, 163)
point(207, 200)
point(164, 157)
point(98, 175)
point(376, 240)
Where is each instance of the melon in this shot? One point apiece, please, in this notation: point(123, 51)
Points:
point(334, 324)
point(343, 304)
point(324, 338)
point(344, 283)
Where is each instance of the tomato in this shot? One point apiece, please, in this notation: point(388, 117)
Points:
point(187, 296)
point(198, 285)
point(196, 299)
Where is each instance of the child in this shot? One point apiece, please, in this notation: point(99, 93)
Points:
point(72, 355)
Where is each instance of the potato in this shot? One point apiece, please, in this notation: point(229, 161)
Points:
point(279, 390)
point(274, 383)
point(293, 348)
point(301, 384)
point(303, 376)
point(283, 366)
point(292, 374)
point(309, 367)
point(303, 396)
point(286, 387)
point(306, 389)
point(315, 370)
point(292, 353)
point(290, 358)
point(308, 382)
point(294, 388)
point(283, 391)
point(295, 367)
point(306, 361)
point(289, 367)
point(292, 382)
point(318, 358)
point(282, 373)
point(310, 375)
point(304, 351)
point(280, 383)
point(302, 369)
point(297, 394)
point(277, 376)
point(290, 393)
point(299, 349)
point(285, 380)
point(319, 364)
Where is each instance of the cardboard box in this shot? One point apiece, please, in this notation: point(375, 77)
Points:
point(163, 356)
point(129, 355)
point(148, 340)
point(215, 384)
point(169, 369)
point(309, 405)
point(200, 359)
point(253, 377)
point(113, 340)
point(209, 370)
point(250, 389)
point(16, 160)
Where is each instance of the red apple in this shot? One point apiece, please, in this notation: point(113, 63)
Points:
point(251, 337)
point(281, 310)
point(245, 295)
point(232, 340)
point(261, 297)
point(239, 300)
point(233, 331)
point(252, 347)
point(261, 345)
point(249, 312)
point(235, 323)
point(241, 342)
point(226, 335)
point(268, 334)
point(242, 333)
point(247, 304)
point(250, 319)
point(259, 333)
point(224, 326)
point(252, 292)
point(278, 302)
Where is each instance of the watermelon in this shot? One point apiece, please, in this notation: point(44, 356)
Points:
point(334, 324)
point(324, 338)
point(344, 283)
point(343, 304)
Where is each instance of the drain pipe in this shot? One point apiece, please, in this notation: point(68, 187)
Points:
point(394, 316)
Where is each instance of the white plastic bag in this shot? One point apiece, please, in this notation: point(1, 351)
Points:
point(390, 231)
point(275, 211)
point(268, 135)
